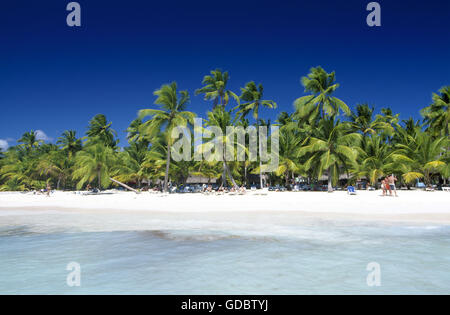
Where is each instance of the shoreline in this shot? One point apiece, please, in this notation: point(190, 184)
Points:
point(410, 206)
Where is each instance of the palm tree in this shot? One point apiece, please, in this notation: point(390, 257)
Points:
point(411, 126)
point(95, 161)
point(56, 164)
point(261, 123)
point(252, 95)
point(215, 88)
point(13, 185)
point(69, 142)
point(423, 155)
point(288, 160)
point(100, 129)
point(330, 148)
point(391, 133)
point(20, 167)
point(376, 158)
point(284, 119)
point(320, 102)
point(362, 121)
point(170, 115)
point(29, 140)
point(222, 119)
point(132, 164)
point(134, 133)
point(437, 115)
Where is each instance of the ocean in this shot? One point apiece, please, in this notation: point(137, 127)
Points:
point(217, 253)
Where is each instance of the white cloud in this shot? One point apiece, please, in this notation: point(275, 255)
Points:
point(40, 135)
point(3, 145)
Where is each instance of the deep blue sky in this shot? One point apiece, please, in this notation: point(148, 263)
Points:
point(53, 77)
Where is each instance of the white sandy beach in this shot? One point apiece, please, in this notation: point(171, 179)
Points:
point(410, 206)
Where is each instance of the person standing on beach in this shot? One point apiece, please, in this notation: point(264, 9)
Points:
point(391, 181)
point(383, 186)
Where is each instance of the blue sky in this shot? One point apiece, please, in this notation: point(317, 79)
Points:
point(53, 77)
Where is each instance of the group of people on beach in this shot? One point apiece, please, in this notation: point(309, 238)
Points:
point(221, 190)
point(388, 184)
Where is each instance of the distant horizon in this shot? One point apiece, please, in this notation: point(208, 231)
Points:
point(56, 78)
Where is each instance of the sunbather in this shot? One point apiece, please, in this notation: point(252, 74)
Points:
point(391, 181)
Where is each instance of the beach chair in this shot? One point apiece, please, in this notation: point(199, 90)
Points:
point(351, 190)
point(447, 189)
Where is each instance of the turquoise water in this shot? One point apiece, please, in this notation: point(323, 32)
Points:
point(279, 253)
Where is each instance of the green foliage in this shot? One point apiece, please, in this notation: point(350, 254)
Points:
point(437, 115)
point(252, 95)
point(100, 130)
point(320, 103)
point(215, 88)
point(315, 141)
point(95, 162)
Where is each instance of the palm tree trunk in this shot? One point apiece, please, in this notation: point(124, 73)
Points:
point(123, 185)
point(224, 174)
point(245, 174)
point(166, 176)
point(230, 175)
point(260, 168)
point(260, 175)
point(330, 181)
point(58, 183)
point(99, 179)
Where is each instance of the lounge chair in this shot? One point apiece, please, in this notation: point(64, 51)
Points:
point(351, 190)
point(447, 189)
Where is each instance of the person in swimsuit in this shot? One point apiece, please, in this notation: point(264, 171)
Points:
point(383, 186)
point(391, 182)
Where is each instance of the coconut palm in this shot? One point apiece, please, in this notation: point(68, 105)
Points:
point(13, 185)
point(289, 142)
point(95, 161)
point(221, 118)
point(132, 164)
point(393, 120)
point(437, 115)
point(100, 129)
point(55, 164)
point(320, 102)
point(252, 96)
point(261, 123)
point(69, 142)
point(331, 148)
point(376, 158)
point(284, 119)
point(172, 114)
point(423, 155)
point(411, 126)
point(215, 88)
point(362, 121)
point(20, 167)
point(29, 140)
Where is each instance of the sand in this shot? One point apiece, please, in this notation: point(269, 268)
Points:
point(410, 206)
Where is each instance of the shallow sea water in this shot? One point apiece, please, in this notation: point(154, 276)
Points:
point(239, 253)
